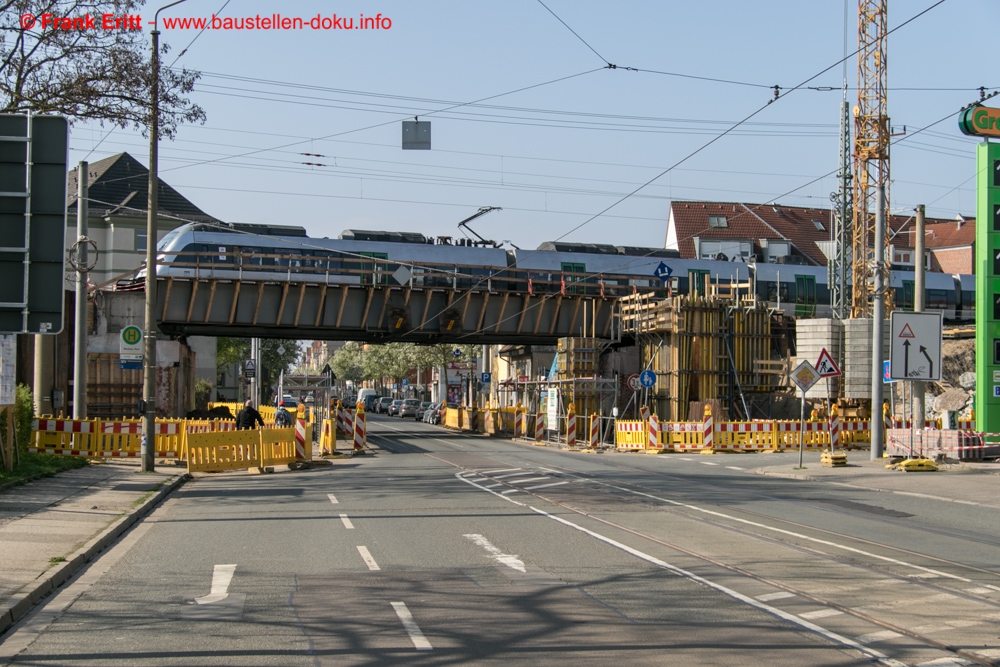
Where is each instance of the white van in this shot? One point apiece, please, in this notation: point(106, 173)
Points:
point(365, 393)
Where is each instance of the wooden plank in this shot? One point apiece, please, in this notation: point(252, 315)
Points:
point(555, 315)
point(281, 305)
point(166, 298)
point(236, 300)
point(385, 304)
point(260, 296)
point(503, 307)
point(298, 308)
point(482, 312)
point(465, 308)
point(343, 300)
point(576, 311)
point(321, 305)
point(194, 293)
point(524, 309)
point(598, 304)
point(368, 305)
point(539, 312)
point(211, 299)
point(427, 306)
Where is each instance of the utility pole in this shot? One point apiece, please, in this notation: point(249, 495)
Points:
point(152, 209)
point(918, 387)
point(80, 347)
point(878, 322)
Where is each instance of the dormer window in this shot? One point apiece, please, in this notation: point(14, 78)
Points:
point(819, 225)
point(718, 221)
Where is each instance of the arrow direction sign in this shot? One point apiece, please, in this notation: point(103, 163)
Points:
point(663, 272)
point(915, 330)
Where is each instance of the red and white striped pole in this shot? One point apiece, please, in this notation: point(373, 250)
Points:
point(360, 435)
point(518, 421)
point(653, 433)
point(834, 429)
point(595, 430)
point(571, 426)
point(300, 439)
point(708, 429)
point(540, 427)
point(644, 413)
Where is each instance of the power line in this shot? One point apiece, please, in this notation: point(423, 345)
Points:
point(565, 25)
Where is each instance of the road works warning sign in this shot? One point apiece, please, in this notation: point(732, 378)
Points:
point(826, 366)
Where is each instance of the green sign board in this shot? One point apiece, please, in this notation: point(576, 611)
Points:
point(987, 271)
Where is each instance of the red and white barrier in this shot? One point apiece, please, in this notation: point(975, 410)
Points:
point(834, 432)
point(630, 435)
point(518, 423)
point(595, 431)
point(708, 429)
point(540, 427)
point(300, 439)
point(653, 433)
point(360, 431)
point(63, 426)
point(571, 429)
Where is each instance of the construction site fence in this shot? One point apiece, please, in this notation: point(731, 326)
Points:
point(774, 435)
point(503, 421)
point(233, 450)
point(122, 438)
point(267, 411)
point(930, 443)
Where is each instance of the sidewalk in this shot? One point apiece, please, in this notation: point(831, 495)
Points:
point(969, 483)
point(52, 527)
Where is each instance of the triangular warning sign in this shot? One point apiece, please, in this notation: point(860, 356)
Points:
point(907, 332)
point(825, 366)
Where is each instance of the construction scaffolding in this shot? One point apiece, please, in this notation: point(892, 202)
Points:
point(703, 350)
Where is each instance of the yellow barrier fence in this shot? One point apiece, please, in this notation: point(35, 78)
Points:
point(453, 417)
point(328, 437)
point(232, 450)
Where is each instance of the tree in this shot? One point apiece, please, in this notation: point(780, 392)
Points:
point(237, 350)
point(391, 360)
point(347, 363)
point(87, 73)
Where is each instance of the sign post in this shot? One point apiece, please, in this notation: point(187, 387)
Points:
point(805, 376)
point(130, 348)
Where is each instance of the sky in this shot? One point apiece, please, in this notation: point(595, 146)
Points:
point(568, 147)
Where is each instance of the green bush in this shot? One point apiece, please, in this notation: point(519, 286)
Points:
point(23, 414)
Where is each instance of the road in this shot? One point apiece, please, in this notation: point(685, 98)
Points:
point(443, 548)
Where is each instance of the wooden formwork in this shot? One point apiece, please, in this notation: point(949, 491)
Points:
point(701, 348)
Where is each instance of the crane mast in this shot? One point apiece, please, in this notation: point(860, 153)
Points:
point(871, 156)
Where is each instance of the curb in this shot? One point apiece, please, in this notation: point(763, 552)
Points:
point(21, 603)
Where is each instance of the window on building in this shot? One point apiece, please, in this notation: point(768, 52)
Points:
point(718, 221)
point(140, 240)
point(819, 225)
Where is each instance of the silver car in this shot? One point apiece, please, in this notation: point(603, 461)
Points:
point(409, 408)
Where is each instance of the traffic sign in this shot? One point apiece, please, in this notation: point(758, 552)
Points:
point(406, 383)
point(663, 272)
point(886, 375)
point(633, 382)
point(457, 353)
point(647, 378)
point(826, 366)
point(33, 231)
point(486, 378)
point(130, 344)
point(915, 346)
point(805, 376)
point(249, 369)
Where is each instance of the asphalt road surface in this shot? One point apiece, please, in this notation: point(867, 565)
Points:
point(442, 548)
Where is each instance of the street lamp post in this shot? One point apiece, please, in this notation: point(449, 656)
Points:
point(149, 354)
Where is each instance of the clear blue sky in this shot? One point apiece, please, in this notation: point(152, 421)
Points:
point(557, 154)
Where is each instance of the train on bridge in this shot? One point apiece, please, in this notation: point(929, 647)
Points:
point(287, 254)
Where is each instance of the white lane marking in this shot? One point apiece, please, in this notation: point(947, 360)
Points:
point(948, 662)
point(490, 472)
point(877, 637)
point(979, 591)
point(530, 479)
point(493, 486)
point(708, 463)
point(509, 491)
point(925, 575)
point(222, 576)
point(735, 468)
point(780, 595)
point(416, 636)
point(477, 481)
point(544, 486)
point(683, 459)
point(367, 558)
point(510, 560)
point(774, 611)
point(821, 613)
point(333, 498)
point(762, 526)
point(347, 522)
point(515, 474)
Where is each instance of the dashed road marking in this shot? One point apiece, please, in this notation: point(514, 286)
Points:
point(347, 522)
point(877, 637)
point(333, 498)
point(510, 560)
point(530, 479)
point(367, 557)
point(544, 486)
point(509, 491)
point(222, 576)
point(780, 595)
point(514, 474)
point(821, 613)
point(708, 463)
point(416, 636)
point(735, 468)
point(492, 472)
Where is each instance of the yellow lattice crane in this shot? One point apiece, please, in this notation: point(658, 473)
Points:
point(871, 156)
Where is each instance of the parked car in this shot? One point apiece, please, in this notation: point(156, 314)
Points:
point(421, 409)
point(434, 413)
point(371, 402)
point(383, 404)
point(393, 410)
point(409, 408)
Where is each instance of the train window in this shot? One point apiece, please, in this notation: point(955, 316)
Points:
point(938, 299)
point(805, 289)
point(907, 303)
point(576, 274)
point(374, 273)
point(190, 255)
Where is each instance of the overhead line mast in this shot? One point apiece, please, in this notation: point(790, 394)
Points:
point(871, 157)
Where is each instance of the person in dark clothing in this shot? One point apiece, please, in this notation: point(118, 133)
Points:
point(283, 417)
point(248, 417)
